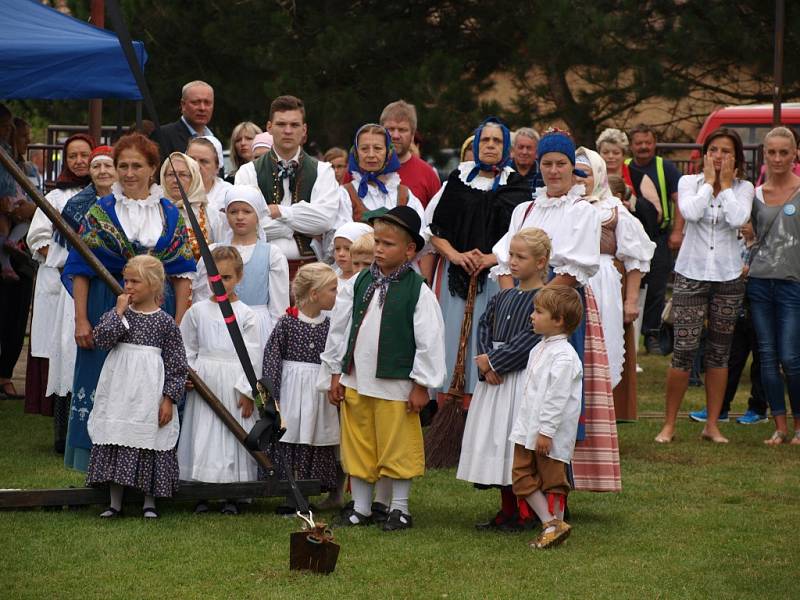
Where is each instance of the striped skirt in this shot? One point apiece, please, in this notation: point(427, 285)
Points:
point(595, 464)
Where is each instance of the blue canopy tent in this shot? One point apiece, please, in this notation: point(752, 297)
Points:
point(45, 54)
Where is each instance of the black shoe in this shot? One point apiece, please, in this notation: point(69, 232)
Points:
point(398, 520)
point(380, 512)
point(652, 345)
point(229, 508)
point(495, 523)
point(149, 512)
point(351, 518)
point(111, 513)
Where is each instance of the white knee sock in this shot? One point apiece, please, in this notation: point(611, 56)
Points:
point(383, 491)
point(362, 495)
point(401, 489)
point(538, 502)
point(116, 491)
point(149, 502)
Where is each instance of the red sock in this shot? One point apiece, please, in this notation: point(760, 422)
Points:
point(508, 501)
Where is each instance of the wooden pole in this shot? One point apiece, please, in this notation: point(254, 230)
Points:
point(102, 273)
point(780, 18)
point(98, 19)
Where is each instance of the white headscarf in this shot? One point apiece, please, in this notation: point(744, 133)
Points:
point(195, 192)
point(601, 189)
point(251, 195)
point(352, 231)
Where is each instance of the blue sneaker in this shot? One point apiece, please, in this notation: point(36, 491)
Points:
point(701, 416)
point(751, 417)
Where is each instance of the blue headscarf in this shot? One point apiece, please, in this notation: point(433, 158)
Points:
point(497, 169)
point(390, 164)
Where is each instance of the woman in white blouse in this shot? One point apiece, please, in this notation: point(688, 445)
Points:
point(708, 276)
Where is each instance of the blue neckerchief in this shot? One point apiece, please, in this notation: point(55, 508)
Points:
point(74, 211)
point(390, 165)
point(497, 169)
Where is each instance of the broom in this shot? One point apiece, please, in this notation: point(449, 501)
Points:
point(443, 437)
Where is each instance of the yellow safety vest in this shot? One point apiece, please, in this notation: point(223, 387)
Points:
point(666, 207)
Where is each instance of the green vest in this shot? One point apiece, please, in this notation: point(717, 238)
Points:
point(306, 177)
point(396, 344)
point(666, 207)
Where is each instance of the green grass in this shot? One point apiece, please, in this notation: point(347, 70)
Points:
point(694, 520)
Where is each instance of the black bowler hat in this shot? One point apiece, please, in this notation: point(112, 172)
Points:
point(405, 217)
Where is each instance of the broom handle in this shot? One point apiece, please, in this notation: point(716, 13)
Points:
point(458, 381)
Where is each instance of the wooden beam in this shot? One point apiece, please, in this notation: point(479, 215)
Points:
point(271, 488)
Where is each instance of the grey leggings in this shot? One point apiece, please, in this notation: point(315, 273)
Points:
point(692, 301)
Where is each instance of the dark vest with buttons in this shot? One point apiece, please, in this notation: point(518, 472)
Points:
point(396, 344)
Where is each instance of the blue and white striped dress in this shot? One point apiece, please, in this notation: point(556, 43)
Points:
point(506, 335)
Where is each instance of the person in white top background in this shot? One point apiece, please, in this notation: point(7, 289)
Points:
point(708, 276)
point(203, 151)
point(302, 193)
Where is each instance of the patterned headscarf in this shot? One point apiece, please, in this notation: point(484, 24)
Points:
point(381, 282)
point(195, 190)
point(505, 159)
point(67, 179)
point(390, 164)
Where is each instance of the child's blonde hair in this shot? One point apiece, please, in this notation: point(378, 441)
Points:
point(537, 242)
point(562, 302)
point(406, 236)
point(311, 277)
point(229, 253)
point(364, 245)
point(149, 269)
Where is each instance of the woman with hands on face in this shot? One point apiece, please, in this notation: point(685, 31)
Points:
point(708, 276)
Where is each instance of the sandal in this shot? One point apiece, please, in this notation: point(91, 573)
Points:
point(795, 438)
point(553, 533)
point(150, 512)
point(777, 438)
point(111, 513)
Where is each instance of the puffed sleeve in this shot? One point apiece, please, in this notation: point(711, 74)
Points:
point(189, 334)
point(634, 247)
point(278, 283)
point(272, 364)
point(737, 203)
point(501, 248)
point(429, 210)
point(316, 216)
point(175, 365)
point(576, 249)
point(246, 175)
point(336, 343)
point(109, 329)
point(429, 365)
point(40, 233)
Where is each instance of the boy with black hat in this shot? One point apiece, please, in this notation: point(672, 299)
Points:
point(384, 349)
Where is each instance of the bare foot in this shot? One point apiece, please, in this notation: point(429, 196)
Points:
point(666, 436)
point(796, 438)
point(715, 437)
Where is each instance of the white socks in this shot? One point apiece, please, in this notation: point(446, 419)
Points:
point(116, 495)
point(538, 502)
point(362, 496)
point(383, 491)
point(401, 488)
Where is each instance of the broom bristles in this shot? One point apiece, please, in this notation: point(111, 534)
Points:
point(443, 437)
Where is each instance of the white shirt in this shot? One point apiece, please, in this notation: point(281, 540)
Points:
point(711, 250)
point(573, 226)
point(216, 195)
point(40, 232)
point(278, 279)
point(311, 218)
point(551, 400)
point(429, 364)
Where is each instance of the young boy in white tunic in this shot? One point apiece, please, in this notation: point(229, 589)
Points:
point(384, 349)
point(547, 424)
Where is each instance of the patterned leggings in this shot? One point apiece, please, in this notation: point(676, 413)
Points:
point(692, 300)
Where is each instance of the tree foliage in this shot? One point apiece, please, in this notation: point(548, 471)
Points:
point(588, 64)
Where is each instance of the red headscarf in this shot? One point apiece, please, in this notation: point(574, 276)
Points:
point(68, 179)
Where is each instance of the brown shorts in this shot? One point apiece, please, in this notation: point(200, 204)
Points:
point(532, 472)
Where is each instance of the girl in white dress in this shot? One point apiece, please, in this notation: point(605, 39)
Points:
point(265, 281)
point(505, 339)
point(134, 422)
point(207, 451)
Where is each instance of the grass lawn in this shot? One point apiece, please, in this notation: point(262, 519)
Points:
point(694, 520)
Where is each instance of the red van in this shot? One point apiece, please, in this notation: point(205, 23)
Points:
point(751, 122)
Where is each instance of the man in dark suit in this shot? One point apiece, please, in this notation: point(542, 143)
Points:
point(197, 108)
